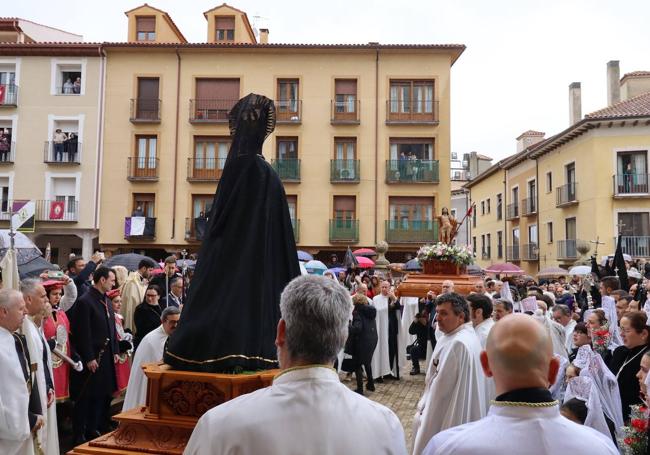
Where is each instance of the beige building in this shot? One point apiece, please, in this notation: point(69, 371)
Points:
point(46, 87)
point(362, 142)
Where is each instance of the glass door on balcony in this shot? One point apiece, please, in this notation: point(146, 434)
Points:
point(571, 235)
point(344, 212)
point(145, 160)
point(345, 101)
point(144, 204)
point(410, 213)
point(201, 206)
point(147, 102)
point(515, 202)
point(215, 98)
point(570, 172)
point(287, 104)
point(8, 85)
point(631, 172)
point(210, 155)
point(411, 100)
point(70, 205)
point(287, 158)
point(532, 197)
point(345, 156)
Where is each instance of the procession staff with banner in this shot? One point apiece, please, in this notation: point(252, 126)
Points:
point(23, 216)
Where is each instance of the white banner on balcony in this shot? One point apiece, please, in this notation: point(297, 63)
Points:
point(137, 225)
point(24, 215)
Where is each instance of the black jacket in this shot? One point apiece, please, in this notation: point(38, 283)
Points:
point(146, 318)
point(420, 331)
point(363, 333)
point(82, 280)
point(628, 384)
point(164, 284)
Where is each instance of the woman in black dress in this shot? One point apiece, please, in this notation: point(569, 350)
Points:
point(363, 337)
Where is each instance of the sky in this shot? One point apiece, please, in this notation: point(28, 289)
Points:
point(514, 76)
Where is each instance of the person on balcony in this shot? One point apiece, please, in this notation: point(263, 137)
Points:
point(76, 87)
point(5, 145)
point(68, 87)
point(59, 139)
point(70, 147)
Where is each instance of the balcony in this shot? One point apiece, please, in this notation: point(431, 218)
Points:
point(528, 207)
point(142, 169)
point(296, 229)
point(412, 171)
point(8, 95)
point(512, 253)
point(344, 231)
point(405, 231)
point(566, 249)
point(145, 110)
point(288, 111)
point(512, 211)
point(62, 153)
point(205, 169)
point(566, 195)
point(636, 245)
point(195, 229)
point(139, 228)
point(345, 112)
point(8, 156)
point(415, 112)
point(288, 169)
point(210, 111)
point(626, 185)
point(344, 171)
point(57, 211)
point(530, 252)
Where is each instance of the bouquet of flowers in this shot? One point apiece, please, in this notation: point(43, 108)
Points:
point(459, 255)
point(600, 338)
point(635, 437)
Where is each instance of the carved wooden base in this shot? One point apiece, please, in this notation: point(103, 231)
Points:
point(418, 284)
point(175, 402)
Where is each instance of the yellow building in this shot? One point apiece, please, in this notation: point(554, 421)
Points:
point(362, 141)
point(46, 87)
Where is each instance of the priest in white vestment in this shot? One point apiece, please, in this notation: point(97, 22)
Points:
point(380, 363)
point(480, 309)
point(150, 350)
point(524, 419)
point(455, 384)
point(306, 409)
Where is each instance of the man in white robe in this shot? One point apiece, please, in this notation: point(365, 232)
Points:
point(562, 315)
point(524, 419)
point(455, 384)
point(380, 363)
point(306, 409)
point(480, 310)
point(39, 352)
point(16, 421)
point(133, 291)
point(150, 350)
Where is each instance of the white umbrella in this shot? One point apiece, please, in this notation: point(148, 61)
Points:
point(315, 267)
point(580, 270)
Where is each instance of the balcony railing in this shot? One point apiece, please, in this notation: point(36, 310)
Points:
point(210, 110)
point(406, 231)
point(287, 169)
point(8, 95)
point(296, 229)
point(344, 171)
point(139, 227)
point(631, 184)
point(145, 110)
point(411, 111)
point(74, 90)
point(288, 111)
point(566, 249)
point(62, 153)
point(7, 156)
point(412, 171)
point(528, 206)
point(529, 252)
point(512, 253)
point(57, 211)
point(195, 228)
point(205, 169)
point(344, 231)
point(512, 211)
point(636, 245)
point(345, 112)
point(142, 168)
point(566, 194)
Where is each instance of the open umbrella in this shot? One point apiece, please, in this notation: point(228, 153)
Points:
point(315, 267)
point(304, 256)
point(474, 270)
point(128, 260)
point(336, 270)
point(367, 252)
point(504, 268)
point(580, 270)
point(25, 248)
point(34, 268)
point(365, 263)
point(350, 260)
point(412, 265)
point(303, 270)
point(550, 272)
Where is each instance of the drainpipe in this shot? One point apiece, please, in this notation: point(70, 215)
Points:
point(505, 217)
point(100, 135)
point(178, 95)
point(376, 139)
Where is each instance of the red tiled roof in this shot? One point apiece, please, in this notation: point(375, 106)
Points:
point(639, 106)
point(530, 133)
point(634, 74)
point(165, 15)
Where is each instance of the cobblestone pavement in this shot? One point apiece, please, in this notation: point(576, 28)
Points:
point(401, 396)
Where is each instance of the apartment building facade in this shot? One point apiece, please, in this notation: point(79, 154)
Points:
point(362, 142)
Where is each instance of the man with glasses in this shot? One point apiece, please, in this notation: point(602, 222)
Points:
point(175, 296)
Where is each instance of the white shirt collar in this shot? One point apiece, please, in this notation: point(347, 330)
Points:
point(307, 372)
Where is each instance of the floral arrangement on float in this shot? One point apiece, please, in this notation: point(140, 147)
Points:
point(635, 437)
point(441, 258)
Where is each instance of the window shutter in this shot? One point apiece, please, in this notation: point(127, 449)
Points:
point(346, 86)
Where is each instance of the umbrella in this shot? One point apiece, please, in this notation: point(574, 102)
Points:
point(365, 263)
point(10, 277)
point(189, 263)
point(25, 248)
point(303, 270)
point(412, 265)
point(128, 260)
point(304, 256)
point(551, 272)
point(336, 270)
point(474, 270)
point(34, 268)
point(580, 270)
point(505, 268)
point(350, 260)
point(604, 259)
point(367, 252)
point(315, 267)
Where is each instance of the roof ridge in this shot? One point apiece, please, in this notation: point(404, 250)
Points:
point(612, 109)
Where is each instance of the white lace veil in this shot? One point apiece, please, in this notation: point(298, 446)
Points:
point(556, 388)
point(583, 388)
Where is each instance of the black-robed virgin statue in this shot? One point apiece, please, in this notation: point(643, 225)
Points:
point(247, 257)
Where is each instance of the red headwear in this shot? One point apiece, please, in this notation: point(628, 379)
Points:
point(113, 293)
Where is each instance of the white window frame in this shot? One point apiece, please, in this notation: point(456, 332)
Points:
point(10, 176)
point(81, 118)
point(55, 81)
point(14, 129)
point(16, 62)
point(49, 184)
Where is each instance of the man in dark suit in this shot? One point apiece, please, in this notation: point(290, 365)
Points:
point(92, 330)
point(175, 296)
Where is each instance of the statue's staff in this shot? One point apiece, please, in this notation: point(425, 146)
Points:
point(458, 225)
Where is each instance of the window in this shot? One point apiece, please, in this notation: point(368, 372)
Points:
point(214, 98)
point(515, 237)
point(532, 234)
point(147, 103)
point(345, 208)
point(487, 205)
point(515, 196)
point(9, 92)
point(287, 148)
point(65, 145)
point(549, 231)
point(631, 172)
point(145, 156)
point(345, 101)
point(474, 219)
point(68, 79)
point(144, 204)
point(482, 207)
point(488, 240)
point(415, 149)
point(6, 141)
point(345, 155)
point(532, 189)
point(145, 28)
point(474, 244)
point(287, 102)
point(570, 228)
point(415, 97)
point(210, 153)
point(499, 244)
point(64, 190)
point(4, 194)
point(570, 173)
point(410, 213)
point(201, 205)
point(292, 201)
point(634, 224)
point(549, 182)
point(225, 26)
point(499, 206)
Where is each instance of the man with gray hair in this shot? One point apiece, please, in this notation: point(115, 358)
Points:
point(324, 415)
point(562, 315)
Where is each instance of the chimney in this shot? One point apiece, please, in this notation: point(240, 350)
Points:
point(528, 138)
point(264, 36)
point(613, 82)
point(575, 103)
